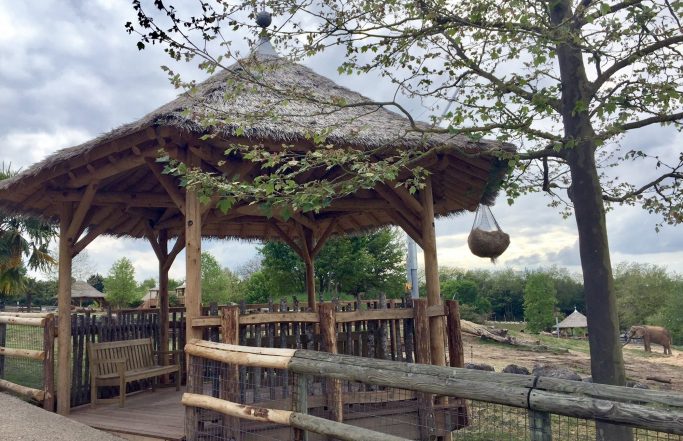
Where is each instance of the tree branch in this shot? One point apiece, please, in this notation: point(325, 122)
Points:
point(644, 188)
point(630, 59)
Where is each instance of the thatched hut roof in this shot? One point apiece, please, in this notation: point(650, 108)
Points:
point(117, 171)
point(83, 290)
point(574, 320)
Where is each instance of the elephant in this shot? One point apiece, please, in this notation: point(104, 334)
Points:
point(651, 334)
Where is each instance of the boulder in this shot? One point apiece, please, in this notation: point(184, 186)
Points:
point(480, 367)
point(542, 370)
point(515, 369)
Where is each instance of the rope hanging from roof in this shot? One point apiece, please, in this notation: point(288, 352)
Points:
point(487, 239)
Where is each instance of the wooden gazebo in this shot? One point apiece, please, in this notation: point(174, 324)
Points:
point(113, 185)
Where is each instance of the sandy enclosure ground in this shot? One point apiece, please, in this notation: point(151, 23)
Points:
point(639, 364)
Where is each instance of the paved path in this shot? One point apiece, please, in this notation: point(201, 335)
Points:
point(20, 421)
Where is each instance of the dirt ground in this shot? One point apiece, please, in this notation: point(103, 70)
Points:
point(639, 364)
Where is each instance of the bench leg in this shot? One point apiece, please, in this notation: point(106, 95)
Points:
point(178, 378)
point(122, 391)
point(154, 383)
point(93, 392)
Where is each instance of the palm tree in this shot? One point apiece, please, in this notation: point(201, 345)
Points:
point(24, 243)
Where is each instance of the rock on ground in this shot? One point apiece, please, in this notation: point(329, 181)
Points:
point(514, 369)
point(543, 370)
point(21, 421)
point(480, 367)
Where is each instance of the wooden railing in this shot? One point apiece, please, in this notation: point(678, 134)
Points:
point(46, 321)
point(660, 411)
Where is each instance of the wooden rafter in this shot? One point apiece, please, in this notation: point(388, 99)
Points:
point(81, 211)
point(284, 236)
point(168, 183)
point(177, 248)
point(323, 237)
point(132, 199)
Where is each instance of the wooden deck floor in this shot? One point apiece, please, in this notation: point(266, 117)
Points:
point(146, 416)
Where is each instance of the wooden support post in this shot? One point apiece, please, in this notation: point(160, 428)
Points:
point(307, 247)
point(231, 335)
point(195, 372)
point(456, 354)
point(300, 403)
point(163, 294)
point(193, 252)
point(328, 334)
point(431, 265)
point(64, 309)
point(3, 343)
point(540, 426)
point(425, 401)
point(49, 363)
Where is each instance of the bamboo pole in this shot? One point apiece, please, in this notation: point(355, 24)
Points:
point(287, 418)
point(64, 302)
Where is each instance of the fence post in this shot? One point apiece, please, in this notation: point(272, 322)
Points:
point(3, 342)
point(49, 363)
point(328, 333)
point(195, 372)
point(425, 401)
point(456, 356)
point(540, 426)
point(230, 328)
point(300, 403)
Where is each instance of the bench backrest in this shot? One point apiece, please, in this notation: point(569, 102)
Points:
point(137, 353)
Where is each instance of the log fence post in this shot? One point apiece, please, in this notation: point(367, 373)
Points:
point(328, 333)
point(230, 329)
point(300, 403)
point(540, 426)
point(49, 363)
point(425, 401)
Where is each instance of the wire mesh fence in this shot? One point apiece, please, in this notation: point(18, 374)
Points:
point(403, 413)
point(20, 370)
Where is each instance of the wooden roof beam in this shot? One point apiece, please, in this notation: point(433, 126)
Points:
point(128, 162)
point(324, 236)
point(284, 236)
point(168, 183)
point(137, 199)
point(92, 234)
point(82, 209)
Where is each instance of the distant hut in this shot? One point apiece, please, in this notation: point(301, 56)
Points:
point(575, 320)
point(81, 291)
point(151, 299)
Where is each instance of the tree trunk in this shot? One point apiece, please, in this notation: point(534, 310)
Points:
point(607, 364)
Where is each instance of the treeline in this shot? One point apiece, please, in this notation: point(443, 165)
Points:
point(375, 262)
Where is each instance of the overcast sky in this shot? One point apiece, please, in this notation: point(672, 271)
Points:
point(69, 72)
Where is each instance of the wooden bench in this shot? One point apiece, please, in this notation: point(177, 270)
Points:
point(116, 363)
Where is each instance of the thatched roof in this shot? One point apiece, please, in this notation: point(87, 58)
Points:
point(82, 290)
point(574, 320)
point(255, 96)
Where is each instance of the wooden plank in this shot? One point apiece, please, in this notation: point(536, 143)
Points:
point(277, 317)
point(374, 314)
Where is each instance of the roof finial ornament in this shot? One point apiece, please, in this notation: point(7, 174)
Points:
point(264, 19)
point(263, 47)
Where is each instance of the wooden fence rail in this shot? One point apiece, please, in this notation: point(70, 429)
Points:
point(46, 321)
point(660, 411)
